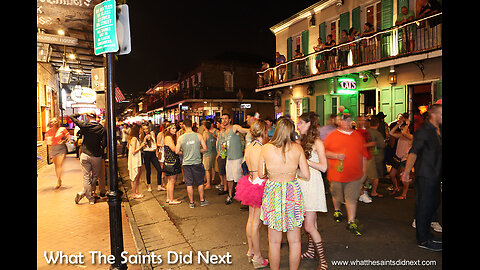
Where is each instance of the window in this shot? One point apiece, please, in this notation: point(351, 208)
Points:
point(374, 15)
point(334, 30)
point(228, 81)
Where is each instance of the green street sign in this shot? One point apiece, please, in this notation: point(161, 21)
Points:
point(104, 28)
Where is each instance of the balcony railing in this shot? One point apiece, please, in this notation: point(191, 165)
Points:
point(414, 37)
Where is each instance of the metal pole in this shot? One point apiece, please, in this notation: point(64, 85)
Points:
point(114, 195)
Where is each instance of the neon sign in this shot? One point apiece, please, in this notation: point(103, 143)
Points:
point(347, 86)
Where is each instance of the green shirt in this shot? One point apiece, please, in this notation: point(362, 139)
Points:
point(211, 142)
point(191, 149)
point(234, 145)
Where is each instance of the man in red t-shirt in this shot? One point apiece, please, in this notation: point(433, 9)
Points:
point(347, 165)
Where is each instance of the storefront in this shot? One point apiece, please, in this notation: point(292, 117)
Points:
point(391, 90)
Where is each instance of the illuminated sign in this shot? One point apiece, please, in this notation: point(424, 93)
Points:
point(346, 86)
point(83, 95)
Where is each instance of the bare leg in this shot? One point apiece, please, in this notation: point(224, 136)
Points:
point(274, 241)
point(58, 161)
point(255, 234)
point(294, 248)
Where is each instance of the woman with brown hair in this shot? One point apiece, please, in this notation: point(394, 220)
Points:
point(249, 191)
point(282, 203)
point(135, 159)
point(56, 138)
point(172, 163)
point(313, 191)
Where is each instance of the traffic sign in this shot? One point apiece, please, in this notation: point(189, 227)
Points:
point(104, 28)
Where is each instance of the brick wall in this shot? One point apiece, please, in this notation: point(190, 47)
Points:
point(42, 152)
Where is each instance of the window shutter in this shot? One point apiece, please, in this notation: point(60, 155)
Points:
point(387, 14)
point(305, 105)
point(385, 103)
point(289, 57)
point(356, 19)
point(322, 33)
point(287, 107)
point(305, 42)
point(344, 22)
point(320, 110)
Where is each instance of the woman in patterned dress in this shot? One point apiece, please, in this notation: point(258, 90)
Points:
point(171, 157)
point(282, 203)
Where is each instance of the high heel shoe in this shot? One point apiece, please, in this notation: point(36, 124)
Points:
point(250, 257)
point(258, 265)
point(322, 262)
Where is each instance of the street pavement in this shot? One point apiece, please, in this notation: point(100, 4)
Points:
point(65, 226)
point(219, 229)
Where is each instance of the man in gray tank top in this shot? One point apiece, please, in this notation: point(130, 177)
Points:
point(192, 144)
point(234, 153)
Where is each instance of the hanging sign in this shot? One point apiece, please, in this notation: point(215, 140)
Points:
point(347, 86)
point(83, 95)
point(104, 28)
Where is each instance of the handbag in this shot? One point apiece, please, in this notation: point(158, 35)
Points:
point(169, 167)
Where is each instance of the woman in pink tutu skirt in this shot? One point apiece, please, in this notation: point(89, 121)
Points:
point(249, 191)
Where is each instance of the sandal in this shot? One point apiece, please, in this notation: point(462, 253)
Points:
point(394, 191)
point(160, 188)
point(401, 197)
point(258, 265)
point(378, 195)
point(250, 257)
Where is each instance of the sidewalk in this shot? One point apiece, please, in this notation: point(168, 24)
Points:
point(65, 226)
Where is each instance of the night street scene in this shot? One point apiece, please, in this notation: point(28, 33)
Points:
point(240, 134)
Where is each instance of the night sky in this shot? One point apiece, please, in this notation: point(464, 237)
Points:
point(174, 36)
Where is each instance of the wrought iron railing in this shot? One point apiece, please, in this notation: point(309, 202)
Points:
point(414, 37)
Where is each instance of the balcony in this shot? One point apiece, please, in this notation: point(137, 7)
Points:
point(418, 38)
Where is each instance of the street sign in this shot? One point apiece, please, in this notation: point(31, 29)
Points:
point(104, 28)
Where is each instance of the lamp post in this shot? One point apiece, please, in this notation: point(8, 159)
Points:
point(114, 195)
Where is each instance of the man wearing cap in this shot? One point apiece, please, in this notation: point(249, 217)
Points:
point(347, 166)
point(94, 141)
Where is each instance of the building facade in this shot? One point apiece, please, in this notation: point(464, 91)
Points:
point(394, 67)
point(214, 87)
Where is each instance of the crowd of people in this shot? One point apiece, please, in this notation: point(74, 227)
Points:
point(277, 169)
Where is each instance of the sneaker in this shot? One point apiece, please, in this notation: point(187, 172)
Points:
point(78, 197)
point(229, 200)
point(430, 245)
point(353, 227)
point(204, 203)
point(92, 200)
point(337, 216)
point(436, 226)
point(191, 205)
point(364, 198)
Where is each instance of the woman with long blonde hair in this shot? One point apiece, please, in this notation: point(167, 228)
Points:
point(135, 159)
point(56, 138)
point(283, 161)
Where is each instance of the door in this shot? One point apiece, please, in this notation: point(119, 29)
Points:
point(386, 103)
point(399, 100)
point(351, 103)
point(319, 104)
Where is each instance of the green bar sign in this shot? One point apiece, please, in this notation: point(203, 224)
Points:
point(104, 28)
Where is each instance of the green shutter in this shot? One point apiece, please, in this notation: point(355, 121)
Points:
point(386, 103)
point(398, 100)
point(320, 109)
point(350, 102)
point(356, 19)
point(344, 22)
point(305, 105)
point(289, 57)
point(387, 14)
point(305, 42)
point(287, 107)
point(438, 93)
point(322, 33)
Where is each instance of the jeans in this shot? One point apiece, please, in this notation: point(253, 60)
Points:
point(91, 170)
point(427, 201)
point(150, 157)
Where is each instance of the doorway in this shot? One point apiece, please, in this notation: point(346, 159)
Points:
point(421, 99)
point(367, 103)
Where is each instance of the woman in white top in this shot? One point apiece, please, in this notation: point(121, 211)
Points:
point(135, 159)
point(147, 136)
point(313, 191)
point(403, 146)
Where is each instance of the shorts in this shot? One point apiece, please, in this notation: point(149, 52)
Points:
point(208, 162)
point(347, 192)
point(374, 169)
point(234, 169)
point(221, 162)
point(58, 149)
point(194, 174)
